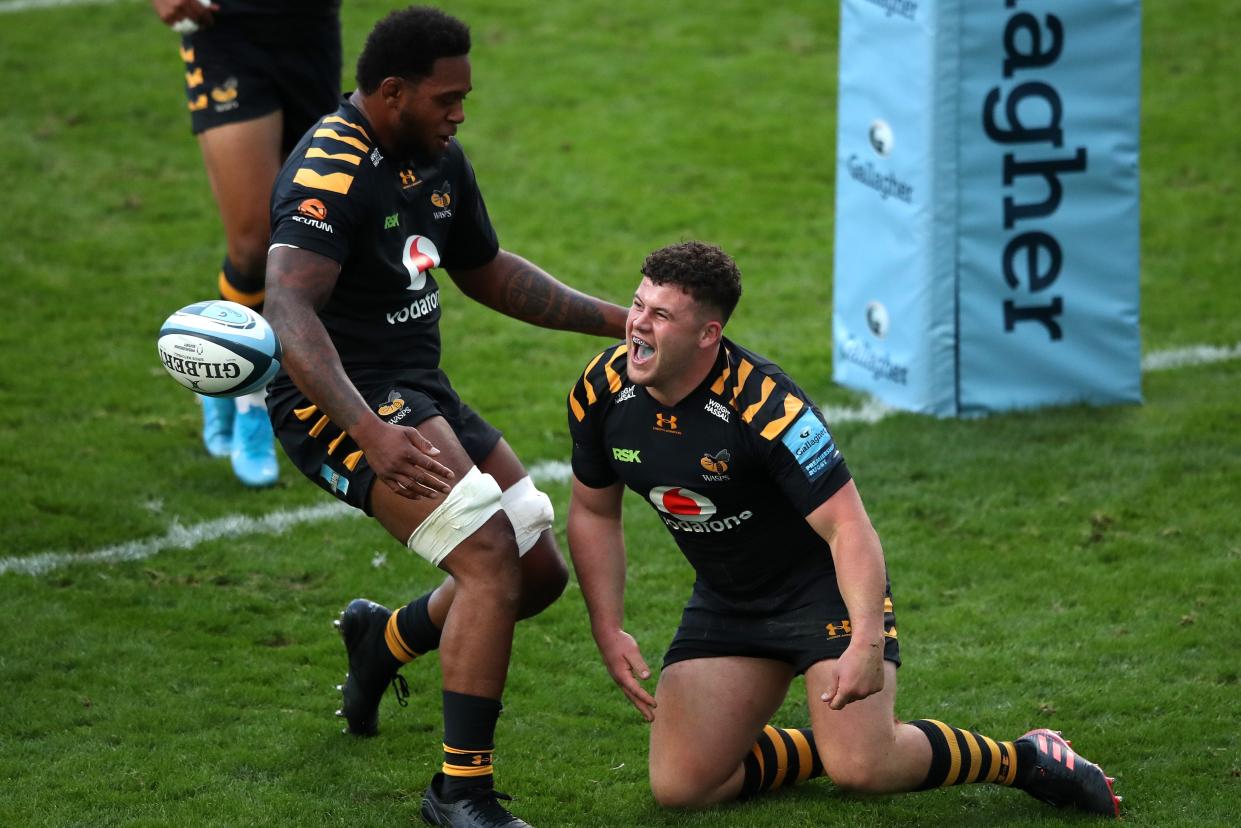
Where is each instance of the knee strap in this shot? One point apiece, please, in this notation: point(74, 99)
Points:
point(469, 505)
point(529, 510)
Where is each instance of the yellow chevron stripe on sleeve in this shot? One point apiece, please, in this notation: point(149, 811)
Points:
point(336, 119)
point(344, 139)
point(194, 78)
point(187, 55)
point(306, 413)
point(768, 385)
point(590, 389)
point(614, 380)
point(743, 374)
point(332, 182)
point(347, 157)
point(198, 103)
point(792, 405)
point(351, 462)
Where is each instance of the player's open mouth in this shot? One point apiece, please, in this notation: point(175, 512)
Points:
point(640, 351)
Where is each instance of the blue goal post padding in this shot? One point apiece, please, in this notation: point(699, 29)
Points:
point(986, 248)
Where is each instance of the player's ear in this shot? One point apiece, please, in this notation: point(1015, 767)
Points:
point(391, 90)
point(709, 334)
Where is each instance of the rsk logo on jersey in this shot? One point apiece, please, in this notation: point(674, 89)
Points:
point(684, 510)
point(666, 423)
point(314, 213)
point(441, 198)
point(419, 255)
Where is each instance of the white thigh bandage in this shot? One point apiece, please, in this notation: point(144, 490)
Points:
point(529, 510)
point(474, 499)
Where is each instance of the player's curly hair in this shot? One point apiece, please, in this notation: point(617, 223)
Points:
point(702, 270)
point(406, 44)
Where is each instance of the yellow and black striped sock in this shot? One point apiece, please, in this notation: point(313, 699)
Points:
point(410, 632)
point(961, 757)
point(780, 757)
point(469, 742)
point(236, 286)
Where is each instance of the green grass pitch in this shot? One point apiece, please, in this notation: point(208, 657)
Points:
point(1073, 568)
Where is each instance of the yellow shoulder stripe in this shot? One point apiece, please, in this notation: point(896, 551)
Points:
point(332, 182)
point(336, 119)
point(344, 139)
point(347, 157)
point(792, 405)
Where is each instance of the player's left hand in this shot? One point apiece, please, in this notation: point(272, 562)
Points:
point(858, 673)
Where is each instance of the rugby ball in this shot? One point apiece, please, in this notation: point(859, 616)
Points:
point(219, 348)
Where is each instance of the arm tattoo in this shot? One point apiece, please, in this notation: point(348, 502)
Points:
point(533, 296)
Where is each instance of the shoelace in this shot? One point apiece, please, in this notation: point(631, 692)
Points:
point(400, 688)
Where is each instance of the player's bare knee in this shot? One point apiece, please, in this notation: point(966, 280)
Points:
point(678, 793)
point(858, 774)
point(544, 577)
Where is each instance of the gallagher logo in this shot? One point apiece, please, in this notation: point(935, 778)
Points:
point(684, 510)
point(419, 255)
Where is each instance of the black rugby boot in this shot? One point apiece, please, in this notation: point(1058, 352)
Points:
point(1061, 777)
point(372, 667)
point(479, 808)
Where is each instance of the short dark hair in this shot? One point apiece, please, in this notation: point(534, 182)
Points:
point(706, 273)
point(406, 44)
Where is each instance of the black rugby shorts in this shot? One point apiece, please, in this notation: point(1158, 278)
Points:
point(801, 636)
point(234, 74)
point(333, 461)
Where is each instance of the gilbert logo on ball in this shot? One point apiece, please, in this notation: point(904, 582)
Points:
point(219, 348)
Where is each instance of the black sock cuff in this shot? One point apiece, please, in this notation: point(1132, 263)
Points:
point(416, 627)
point(940, 755)
point(470, 721)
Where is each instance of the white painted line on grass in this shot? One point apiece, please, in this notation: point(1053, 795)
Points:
point(546, 471)
point(1186, 357)
point(7, 6)
point(180, 537)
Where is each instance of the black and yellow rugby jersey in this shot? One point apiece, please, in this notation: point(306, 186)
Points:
point(732, 470)
point(388, 222)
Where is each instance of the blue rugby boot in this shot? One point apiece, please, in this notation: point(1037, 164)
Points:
point(218, 413)
point(254, 447)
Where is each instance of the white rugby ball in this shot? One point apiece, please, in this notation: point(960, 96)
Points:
point(219, 348)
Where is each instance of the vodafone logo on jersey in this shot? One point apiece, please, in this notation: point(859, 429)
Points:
point(419, 255)
point(682, 503)
point(684, 510)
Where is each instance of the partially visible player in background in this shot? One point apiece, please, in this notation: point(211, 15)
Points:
point(258, 74)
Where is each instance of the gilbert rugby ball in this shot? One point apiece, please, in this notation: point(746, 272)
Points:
point(219, 348)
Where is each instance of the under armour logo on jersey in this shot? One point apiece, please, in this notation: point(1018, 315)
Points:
point(666, 423)
point(408, 179)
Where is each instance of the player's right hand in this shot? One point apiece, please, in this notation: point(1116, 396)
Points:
point(625, 664)
point(197, 12)
point(404, 460)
